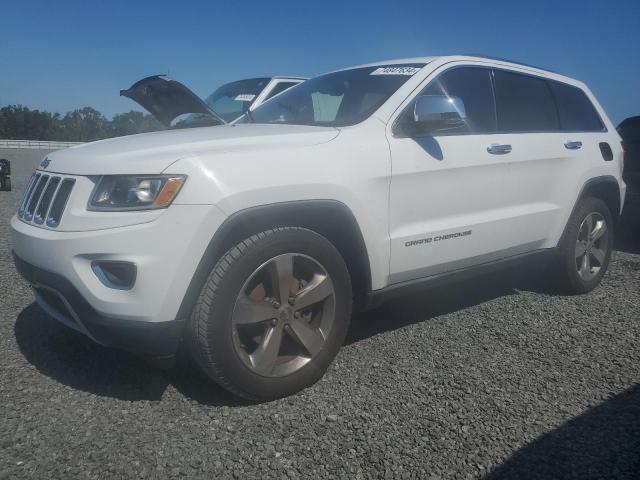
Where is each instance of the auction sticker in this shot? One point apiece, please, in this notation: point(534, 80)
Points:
point(244, 97)
point(395, 71)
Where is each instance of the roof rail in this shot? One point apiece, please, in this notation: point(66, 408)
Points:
point(500, 59)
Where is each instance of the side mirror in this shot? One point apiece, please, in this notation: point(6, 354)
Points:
point(5, 175)
point(439, 109)
point(433, 113)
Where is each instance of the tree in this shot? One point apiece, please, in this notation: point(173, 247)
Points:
point(84, 125)
point(17, 122)
point(81, 125)
point(133, 122)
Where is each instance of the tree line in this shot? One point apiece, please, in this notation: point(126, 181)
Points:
point(86, 124)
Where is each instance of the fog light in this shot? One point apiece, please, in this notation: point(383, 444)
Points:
point(115, 274)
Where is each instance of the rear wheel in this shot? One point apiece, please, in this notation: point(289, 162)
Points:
point(586, 247)
point(273, 313)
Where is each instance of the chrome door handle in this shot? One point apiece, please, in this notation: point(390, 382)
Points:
point(573, 145)
point(499, 149)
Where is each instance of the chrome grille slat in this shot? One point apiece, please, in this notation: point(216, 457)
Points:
point(41, 198)
point(45, 199)
point(26, 194)
point(35, 197)
point(55, 194)
point(59, 203)
point(29, 193)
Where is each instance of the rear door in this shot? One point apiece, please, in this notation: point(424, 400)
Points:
point(539, 163)
point(554, 135)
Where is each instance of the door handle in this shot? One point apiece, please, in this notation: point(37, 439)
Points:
point(573, 145)
point(499, 149)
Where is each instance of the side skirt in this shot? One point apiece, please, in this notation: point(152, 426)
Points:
point(378, 297)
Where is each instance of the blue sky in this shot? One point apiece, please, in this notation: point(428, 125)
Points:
point(61, 55)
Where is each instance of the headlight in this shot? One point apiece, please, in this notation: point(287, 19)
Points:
point(135, 192)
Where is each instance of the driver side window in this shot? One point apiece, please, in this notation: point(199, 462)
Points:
point(470, 85)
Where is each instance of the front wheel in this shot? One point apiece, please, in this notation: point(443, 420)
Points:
point(585, 249)
point(273, 313)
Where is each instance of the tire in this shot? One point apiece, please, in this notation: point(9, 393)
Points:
point(241, 361)
point(570, 274)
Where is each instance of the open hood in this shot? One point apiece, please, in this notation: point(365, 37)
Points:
point(167, 99)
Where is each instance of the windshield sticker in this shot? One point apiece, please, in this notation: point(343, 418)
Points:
point(245, 97)
point(395, 71)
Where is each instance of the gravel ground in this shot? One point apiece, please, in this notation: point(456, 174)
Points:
point(495, 378)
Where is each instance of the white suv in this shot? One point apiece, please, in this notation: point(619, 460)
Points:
point(251, 242)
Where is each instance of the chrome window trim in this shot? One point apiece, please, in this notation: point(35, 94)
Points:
point(493, 68)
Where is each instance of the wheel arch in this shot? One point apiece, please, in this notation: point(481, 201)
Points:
point(330, 218)
point(607, 189)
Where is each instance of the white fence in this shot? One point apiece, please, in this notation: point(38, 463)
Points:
point(36, 144)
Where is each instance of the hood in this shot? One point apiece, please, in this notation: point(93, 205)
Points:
point(151, 153)
point(167, 99)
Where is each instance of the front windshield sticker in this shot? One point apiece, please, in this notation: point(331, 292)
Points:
point(395, 71)
point(244, 97)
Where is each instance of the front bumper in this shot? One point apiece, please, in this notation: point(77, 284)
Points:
point(143, 319)
point(59, 298)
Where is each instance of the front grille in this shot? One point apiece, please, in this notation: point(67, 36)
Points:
point(45, 198)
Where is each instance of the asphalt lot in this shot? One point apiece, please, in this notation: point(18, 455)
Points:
point(496, 378)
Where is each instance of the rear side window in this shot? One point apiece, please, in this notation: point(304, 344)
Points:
point(575, 109)
point(524, 103)
point(473, 87)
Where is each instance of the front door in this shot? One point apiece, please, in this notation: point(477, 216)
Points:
point(450, 201)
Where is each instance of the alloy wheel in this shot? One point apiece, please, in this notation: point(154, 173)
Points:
point(283, 315)
point(592, 246)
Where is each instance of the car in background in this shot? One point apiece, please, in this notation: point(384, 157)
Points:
point(169, 100)
point(629, 130)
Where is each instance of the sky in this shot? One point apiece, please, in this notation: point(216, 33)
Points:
point(61, 55)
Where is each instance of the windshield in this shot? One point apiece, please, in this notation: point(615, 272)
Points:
point(232, 100)
point(335, 99)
